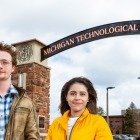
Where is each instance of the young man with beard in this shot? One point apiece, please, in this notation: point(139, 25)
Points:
point(17, 112)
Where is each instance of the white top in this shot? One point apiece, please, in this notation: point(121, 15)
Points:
point(71, 123)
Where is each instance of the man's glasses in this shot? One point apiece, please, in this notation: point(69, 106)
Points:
point(5, 62)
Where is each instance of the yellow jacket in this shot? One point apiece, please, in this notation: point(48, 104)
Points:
point(87, 127)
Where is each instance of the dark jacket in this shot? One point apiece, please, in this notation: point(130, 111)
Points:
point(22, 124)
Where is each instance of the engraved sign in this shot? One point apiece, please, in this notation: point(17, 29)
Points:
point(24, 52)
point(92, 34)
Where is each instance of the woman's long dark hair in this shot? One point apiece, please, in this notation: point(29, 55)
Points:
point(91, 105)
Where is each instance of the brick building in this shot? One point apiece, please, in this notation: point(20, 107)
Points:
point(34, 76)
point(116, 124)
point(137, 121)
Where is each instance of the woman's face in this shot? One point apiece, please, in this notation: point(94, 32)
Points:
point(77, 98)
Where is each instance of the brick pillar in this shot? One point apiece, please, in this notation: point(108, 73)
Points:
point(37, 87)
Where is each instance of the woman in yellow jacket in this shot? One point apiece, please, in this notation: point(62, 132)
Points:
point(79, 120)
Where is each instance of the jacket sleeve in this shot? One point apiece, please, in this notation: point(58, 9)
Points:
point(31, 129)
point(103, 131)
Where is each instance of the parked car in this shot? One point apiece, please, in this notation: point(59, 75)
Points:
point(132, 137)
point(118, 137)
point(123, 137)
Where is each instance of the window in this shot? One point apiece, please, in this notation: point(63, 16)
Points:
point(41, 122)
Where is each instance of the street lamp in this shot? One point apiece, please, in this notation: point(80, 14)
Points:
point(107, 110)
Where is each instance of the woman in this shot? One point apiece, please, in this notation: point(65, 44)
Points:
point(79, 120)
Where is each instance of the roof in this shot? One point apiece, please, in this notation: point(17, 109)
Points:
point(30, 40)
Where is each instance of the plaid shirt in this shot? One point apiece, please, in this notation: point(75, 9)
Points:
point(5, 108)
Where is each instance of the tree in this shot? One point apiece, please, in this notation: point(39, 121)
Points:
point(129, 122)
point(100, 111)
point(132, 106)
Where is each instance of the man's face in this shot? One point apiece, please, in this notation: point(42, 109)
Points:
point(6, 67)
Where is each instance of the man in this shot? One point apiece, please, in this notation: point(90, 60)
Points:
point(17, 113)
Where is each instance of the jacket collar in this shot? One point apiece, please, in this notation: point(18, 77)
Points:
point(65, 117)
point(12, 90)
point(19, 90)
point(16, 100)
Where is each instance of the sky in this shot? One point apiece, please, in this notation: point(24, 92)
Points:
point(113, 61)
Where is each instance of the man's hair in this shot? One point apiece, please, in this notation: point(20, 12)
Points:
point(91, 105)
point(11, 50)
